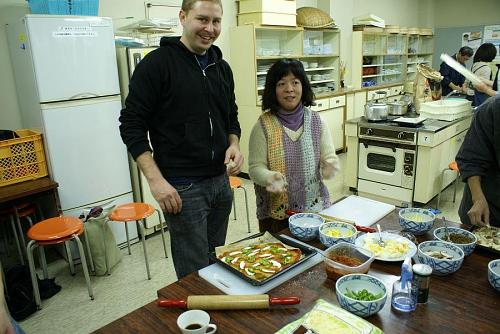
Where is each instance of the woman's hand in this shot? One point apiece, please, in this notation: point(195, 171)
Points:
point(276, 183)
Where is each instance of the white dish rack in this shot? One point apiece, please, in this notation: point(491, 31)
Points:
point(446, 112)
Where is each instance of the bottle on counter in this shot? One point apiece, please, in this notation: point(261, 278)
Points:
point(404, 293)
point(421, 278)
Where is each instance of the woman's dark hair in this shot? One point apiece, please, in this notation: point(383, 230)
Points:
point(281, 69)
point(486, 52)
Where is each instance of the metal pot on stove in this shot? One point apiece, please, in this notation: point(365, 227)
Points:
point(377, 109)
point(399, 108)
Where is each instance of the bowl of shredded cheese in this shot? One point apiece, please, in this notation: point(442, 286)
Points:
point(416, 220)
point(331, 233)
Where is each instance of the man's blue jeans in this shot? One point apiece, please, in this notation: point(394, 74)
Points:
point(201, 225)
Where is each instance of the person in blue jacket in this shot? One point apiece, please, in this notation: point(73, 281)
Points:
point(452, 80)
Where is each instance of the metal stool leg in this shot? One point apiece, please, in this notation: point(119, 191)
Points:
point(19, 226)
point(70, 258)
point(455, 187)
point(128, 238)
point(106, 261)
point(84, 266)
point(21, 257)
point(87, 244)
point(441, 188)
point(34, 281)
point(143, 237)
point(246, 204)
point(234, 204)
point(43, 262)
point(162, 233)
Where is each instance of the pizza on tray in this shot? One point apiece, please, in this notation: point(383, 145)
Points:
point(261, 261)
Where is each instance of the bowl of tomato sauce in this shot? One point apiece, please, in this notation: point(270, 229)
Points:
point(346, 258)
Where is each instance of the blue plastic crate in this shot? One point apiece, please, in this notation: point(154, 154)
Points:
point(64, 7)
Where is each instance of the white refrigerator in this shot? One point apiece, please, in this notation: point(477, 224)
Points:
point(67, 85)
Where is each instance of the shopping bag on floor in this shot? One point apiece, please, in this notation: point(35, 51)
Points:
point(96, 228)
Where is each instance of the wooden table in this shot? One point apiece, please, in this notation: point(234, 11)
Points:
point(30, 188)
point(463, 302)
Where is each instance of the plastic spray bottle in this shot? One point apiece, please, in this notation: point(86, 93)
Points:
point(404, 295)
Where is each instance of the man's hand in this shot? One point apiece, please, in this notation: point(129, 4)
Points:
point(233, 159)
point(479, 213)
point(276, 183)
point(166, 195)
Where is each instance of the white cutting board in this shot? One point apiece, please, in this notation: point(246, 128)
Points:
point(231, 284)
point(363, 211)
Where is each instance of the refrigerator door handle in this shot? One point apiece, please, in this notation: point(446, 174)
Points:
point(83, 96)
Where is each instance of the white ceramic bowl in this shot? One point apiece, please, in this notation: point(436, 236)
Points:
point(468, 248)
point(441, 267)
point(348, 233)
point(494, 273)
point(416, 220)
point(305, 226)
point(357, 282)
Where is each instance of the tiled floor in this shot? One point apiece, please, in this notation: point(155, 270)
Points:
point(127, 288)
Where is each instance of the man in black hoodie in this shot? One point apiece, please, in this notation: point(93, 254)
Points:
point(182, 94)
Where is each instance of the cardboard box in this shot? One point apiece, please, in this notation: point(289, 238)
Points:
point(268, 6)
point(268, 19)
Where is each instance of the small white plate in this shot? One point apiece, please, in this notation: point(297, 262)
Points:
point(360, 241)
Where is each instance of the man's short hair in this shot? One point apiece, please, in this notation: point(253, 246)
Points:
point(187, 5)
point(466, 51)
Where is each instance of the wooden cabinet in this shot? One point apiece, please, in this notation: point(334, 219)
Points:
point(332, 114)
point(255, 48)
point(383, 58)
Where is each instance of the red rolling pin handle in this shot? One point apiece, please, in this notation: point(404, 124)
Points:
point(365, 229)
point(177, 303)
point(284, 301)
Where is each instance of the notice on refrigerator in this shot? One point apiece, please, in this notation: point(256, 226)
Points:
point(74, 31)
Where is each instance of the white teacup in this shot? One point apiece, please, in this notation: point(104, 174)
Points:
point(195, 322)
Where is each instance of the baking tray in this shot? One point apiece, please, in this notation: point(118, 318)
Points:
point(307, 253)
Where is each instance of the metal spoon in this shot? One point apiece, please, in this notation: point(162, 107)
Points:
point(446, 233)
point(380, 241)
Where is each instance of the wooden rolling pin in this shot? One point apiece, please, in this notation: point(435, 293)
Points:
point(228, 302)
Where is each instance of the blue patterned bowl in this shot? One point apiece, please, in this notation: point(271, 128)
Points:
point(357, 282)
point(441, 267)
point(494, 273)
point(305, 226)
point(347, 231)
point(416, 220)
point(439, 234)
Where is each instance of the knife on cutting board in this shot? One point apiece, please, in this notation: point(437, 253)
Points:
point(228, 302)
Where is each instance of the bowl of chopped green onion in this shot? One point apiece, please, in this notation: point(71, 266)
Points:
point(361, 294)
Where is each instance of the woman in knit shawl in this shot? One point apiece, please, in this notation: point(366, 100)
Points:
point(291, 149)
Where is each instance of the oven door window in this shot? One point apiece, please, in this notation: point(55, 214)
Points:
point(382, 162)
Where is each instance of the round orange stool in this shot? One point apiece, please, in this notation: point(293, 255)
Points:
point(55, 231)
point(137, 212)
point(235, 183)
point(452, 166)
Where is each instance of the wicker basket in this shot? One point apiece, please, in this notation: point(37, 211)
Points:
point(310, 17)
point(23, 158)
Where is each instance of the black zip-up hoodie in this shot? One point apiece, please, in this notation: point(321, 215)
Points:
point(188, 111)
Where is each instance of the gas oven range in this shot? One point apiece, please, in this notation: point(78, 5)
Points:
point(387, 157)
